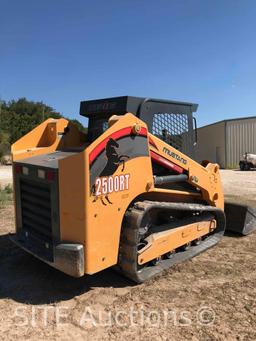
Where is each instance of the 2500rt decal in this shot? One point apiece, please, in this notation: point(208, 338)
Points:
point(107, 185)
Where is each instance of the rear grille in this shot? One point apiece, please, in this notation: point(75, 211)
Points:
point(36, 212)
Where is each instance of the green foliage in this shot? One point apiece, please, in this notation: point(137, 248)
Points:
point(4, 143)
point(79, 126)
point(234, 166)
point(8, 189)
point(5, 195)
point(19, 117)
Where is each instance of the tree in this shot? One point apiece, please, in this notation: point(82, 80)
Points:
point(4, 143)
point(79, 125)
point(19, 117)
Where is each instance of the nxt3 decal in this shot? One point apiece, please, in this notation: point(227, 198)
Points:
point(111, 155)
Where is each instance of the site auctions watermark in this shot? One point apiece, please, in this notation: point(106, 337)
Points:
point(34, 316)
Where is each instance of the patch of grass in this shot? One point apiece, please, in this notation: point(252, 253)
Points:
point(5, 195)
point(234, 166)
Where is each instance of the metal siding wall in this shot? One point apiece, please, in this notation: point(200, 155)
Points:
point(210, 138)
point(241, 138)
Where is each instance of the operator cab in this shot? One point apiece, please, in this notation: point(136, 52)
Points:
point(171, 121)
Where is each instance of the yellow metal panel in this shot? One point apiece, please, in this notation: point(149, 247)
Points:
point(47, 137)
point(163, 242)
point(207, 179)
point(72, 198)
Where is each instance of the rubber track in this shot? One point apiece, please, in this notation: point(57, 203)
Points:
point(131, 235)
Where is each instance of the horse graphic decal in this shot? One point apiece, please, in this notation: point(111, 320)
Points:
point(114, 160)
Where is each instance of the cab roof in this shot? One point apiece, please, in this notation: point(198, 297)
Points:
point(124, 104)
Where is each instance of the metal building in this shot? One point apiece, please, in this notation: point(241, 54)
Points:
point(226, 141)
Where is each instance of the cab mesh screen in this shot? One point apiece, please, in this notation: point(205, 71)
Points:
point(172, 128)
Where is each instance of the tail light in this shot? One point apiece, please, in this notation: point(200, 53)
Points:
point(25, 170)
point(18, 169)
point(50, 175)
point(41, 173)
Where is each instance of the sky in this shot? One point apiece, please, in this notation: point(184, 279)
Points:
point(64, 51)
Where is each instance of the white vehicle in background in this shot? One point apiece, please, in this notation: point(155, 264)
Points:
point(248, 162)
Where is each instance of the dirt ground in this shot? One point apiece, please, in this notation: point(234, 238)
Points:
point(211, 297)
point(5, 175)
point(236, 182)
